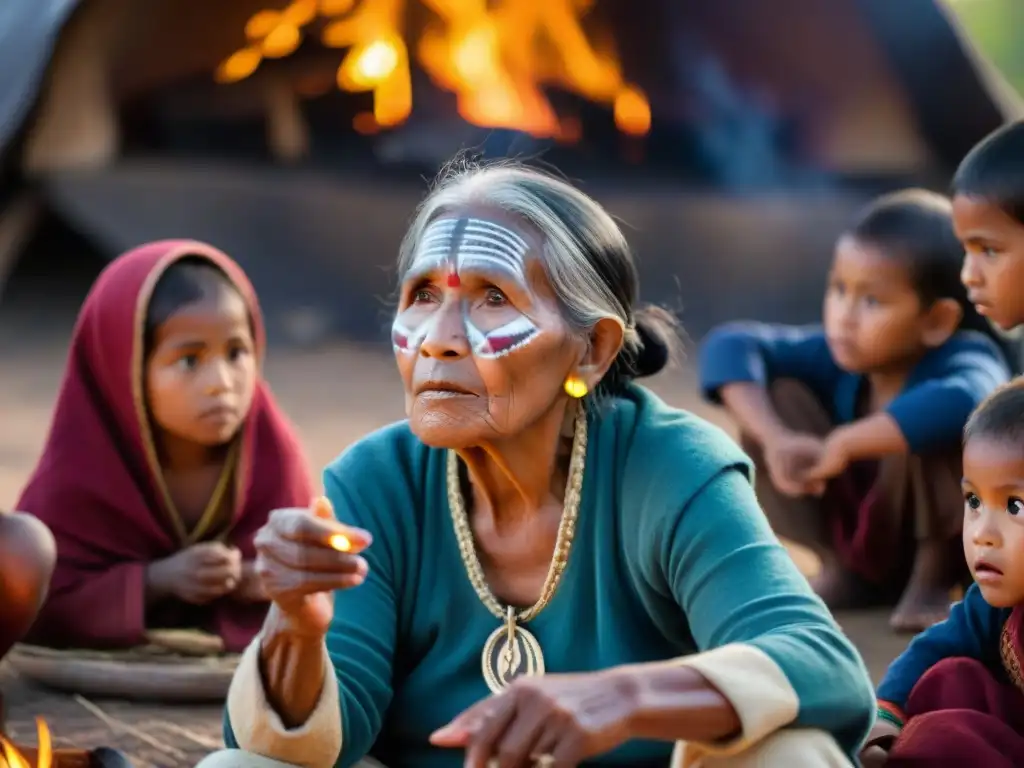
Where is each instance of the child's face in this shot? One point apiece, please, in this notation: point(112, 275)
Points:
point(993, 487)
point(873, 316)
point(993, 269)
point(201, 374)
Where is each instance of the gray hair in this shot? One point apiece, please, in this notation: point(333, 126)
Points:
point(585, 255)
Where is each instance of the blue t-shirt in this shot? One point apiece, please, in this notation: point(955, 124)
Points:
point(931, 410)
point(973, 630)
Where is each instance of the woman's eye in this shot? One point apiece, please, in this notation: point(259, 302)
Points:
point(1015, 506)
point(495, 298)
point(972, 501)
point(422, 295)
point(871, 301)
point(236, 353)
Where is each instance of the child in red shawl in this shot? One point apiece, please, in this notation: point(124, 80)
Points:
point(166, 454)
point(956, 695)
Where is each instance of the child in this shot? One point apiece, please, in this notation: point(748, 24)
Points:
point(166, 454)
point(988, 211)
point(856, 426)
point(27, 555)
point(960, 685)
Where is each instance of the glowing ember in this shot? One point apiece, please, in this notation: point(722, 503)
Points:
point(11, 757)
point(495, 56)
point(340, 542)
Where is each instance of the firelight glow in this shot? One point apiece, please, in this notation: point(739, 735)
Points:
point(10, 757)
point(340, 542)
point(496, 57)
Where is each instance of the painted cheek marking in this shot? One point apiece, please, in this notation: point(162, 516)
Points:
point(503, 339)
point(406, 341)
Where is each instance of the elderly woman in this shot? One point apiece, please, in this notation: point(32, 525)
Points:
point(537, 513)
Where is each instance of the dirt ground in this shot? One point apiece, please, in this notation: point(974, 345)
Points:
point(335, 395)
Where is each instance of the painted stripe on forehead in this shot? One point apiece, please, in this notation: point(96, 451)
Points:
point(442, 226)
point(441, 252)
point(449, 240)
point(474, 229)
point(488, 229)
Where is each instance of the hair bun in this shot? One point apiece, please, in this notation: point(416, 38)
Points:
point(658, 334)
point(655, 343)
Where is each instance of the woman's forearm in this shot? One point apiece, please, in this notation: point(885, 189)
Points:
point(751, 407)
point(292, 667)
point(677, 703)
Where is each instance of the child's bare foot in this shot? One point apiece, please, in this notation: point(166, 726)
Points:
point(919, 609)
point(842, 590)
point(926, 600)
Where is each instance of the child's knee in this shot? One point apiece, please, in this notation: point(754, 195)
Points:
point(798, 407)
point(27, 557)
point(957, 669)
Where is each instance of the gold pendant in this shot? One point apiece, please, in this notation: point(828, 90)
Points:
point(510, 652)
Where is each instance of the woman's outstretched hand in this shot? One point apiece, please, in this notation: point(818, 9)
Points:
point(302, 556)
point(557, 721)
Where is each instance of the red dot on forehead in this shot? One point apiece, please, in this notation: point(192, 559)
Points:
point(453, 280)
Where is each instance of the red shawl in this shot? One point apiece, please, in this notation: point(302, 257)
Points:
point(98, 485)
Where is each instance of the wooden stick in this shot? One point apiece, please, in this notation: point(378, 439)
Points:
point(119, 725)
point(185, 733)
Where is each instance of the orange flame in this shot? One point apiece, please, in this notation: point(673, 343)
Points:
point(494, 56)
point(11, 757)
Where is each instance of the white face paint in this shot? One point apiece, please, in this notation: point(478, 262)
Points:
point(466, 244)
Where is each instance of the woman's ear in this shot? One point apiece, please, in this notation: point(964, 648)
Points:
point(943, 319)
point(605, 343)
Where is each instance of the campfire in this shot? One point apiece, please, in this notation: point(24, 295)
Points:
point(497, 58)
point(12, 757)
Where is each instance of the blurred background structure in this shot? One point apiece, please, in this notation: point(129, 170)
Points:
point(734, 138)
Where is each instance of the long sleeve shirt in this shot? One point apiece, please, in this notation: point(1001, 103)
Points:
point(672, 560)
point(931, 410)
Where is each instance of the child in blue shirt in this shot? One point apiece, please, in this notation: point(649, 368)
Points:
point(959, 686)
point(988, 211)
point(856, 425)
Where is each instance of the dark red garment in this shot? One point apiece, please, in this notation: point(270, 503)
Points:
point(960, 714)
point(98, 484)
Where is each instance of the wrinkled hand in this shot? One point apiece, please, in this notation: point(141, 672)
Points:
point(572, 718)
point(788, 457)
point(300, 568)
point(201, 573)
point(878, 743)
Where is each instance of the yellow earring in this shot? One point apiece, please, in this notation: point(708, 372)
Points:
point(576, 387)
